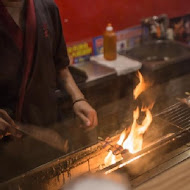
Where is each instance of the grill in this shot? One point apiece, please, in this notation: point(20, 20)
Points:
point(177, 114)
point(161, 151)
point(166, 143)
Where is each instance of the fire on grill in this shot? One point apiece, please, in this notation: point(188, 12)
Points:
point(131, 139)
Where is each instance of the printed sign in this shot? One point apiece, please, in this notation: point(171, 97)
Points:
point(128, 38)
point(80, 51)
point(98, 45)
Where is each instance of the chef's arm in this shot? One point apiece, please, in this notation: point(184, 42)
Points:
point(81, 107)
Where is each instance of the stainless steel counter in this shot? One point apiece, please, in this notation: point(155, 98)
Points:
point(94, 71)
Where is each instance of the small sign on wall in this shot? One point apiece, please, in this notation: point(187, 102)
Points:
point(80, 51)
point(98, 45)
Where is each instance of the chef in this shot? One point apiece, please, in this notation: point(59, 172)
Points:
point(34, 62)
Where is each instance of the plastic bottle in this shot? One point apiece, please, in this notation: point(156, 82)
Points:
point(110, 51)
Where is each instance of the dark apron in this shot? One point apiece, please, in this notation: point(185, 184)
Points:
point(44, 53)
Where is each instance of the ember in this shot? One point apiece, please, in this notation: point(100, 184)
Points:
point(133, 141)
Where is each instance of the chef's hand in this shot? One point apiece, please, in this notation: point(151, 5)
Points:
point(7, 125)
point(87, 114)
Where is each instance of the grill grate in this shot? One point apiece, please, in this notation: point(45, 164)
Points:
point(177, 114)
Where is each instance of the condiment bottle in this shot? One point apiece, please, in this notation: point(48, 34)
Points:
point(110, 51)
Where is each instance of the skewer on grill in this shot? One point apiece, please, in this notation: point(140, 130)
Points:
point(107, 141)
point(116, 149)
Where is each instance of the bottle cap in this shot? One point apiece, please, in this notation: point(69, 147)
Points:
point(109, 27)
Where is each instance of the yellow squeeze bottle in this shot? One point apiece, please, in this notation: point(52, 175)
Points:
point(110, 50)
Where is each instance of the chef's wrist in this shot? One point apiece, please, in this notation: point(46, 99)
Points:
point(79, 100)
point(77, 96)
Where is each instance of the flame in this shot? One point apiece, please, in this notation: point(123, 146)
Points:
point(146, 122)
point(113, 159)
point(143, 109)
point(134, 141)
point(142, 86)
point(122, 137)
point(110, 158)
point(130, 142)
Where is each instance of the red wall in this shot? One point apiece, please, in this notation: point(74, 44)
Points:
point(87, 18)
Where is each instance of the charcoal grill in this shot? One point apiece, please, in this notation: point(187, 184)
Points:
point(164, 151)
point(166, 143)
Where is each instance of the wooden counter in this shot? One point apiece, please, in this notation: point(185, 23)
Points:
point(177, 177)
